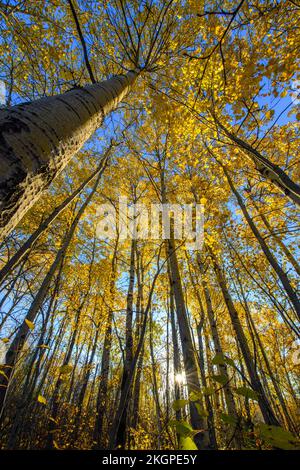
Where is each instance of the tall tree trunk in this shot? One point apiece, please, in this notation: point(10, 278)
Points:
point(200, 325)
point(280, 397)
point(176, 354)
point(290, 257)
point(21, 335)
point(188, 352)
point(39, 138)
point(277, 268)
point(53, 424)
point(98, 437)
point(269, 170)
point(189, 358)
point(121, 433)
point(155, 386)
point(25, 248)
point(124, 399)
point(208, 404)
point(136, 391)
point(222, 368)
point(83, 388)
point(139, 321)
point(263, 402)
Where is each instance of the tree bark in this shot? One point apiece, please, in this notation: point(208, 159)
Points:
point(268, 170)
point(277, 268)
point(264, 405)
point(98, 437)
point(122, 428)
point(176, 353)
point(222, 368)
point(21, 335)
point(188, 352)
point(290, 257)
point(39, 138)
point(280, 397)
point(25, 248)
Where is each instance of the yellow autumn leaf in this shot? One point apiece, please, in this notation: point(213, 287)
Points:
point(269, 114)
point(66, 369)
point(55, 445)
point(42, 400)
point(30, 324)
point(4, 375)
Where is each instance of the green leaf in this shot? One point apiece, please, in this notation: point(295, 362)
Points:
point(220, 359)
point(246, 392)
point(183, 428)
point(4, 375)
point(178, 404)
point(221, 378)
point(195, 396)
point(228, 419)
point(201, 411)
point(278, 437)
point(208, 390)
point(187, 443)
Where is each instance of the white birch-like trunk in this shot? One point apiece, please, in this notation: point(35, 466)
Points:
point(38, 139)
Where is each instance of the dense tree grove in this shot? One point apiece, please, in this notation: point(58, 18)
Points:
point(143, 342)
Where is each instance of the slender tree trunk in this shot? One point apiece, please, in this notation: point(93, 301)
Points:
point(167, 392)
point(269, 170)
point(136, 392)
point(123, 401)
point(281, 400)
point(222, 368)
point(84, 386)
point(200, 325)
point(122, 429)
point(20, 337)
point(277, 268)
point(155, 387)
point(25, 248)
point(208, 404)
point(139, 321)
point(290, 257)
point(39, 138)
point(189, 358)
point(98, 437)
point(176, 354)
point(56, 395)
point(103, 385)
point(264, 405)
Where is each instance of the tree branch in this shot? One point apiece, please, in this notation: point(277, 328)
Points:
point(82, 40)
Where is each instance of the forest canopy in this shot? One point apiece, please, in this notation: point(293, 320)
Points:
point(109, 111)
